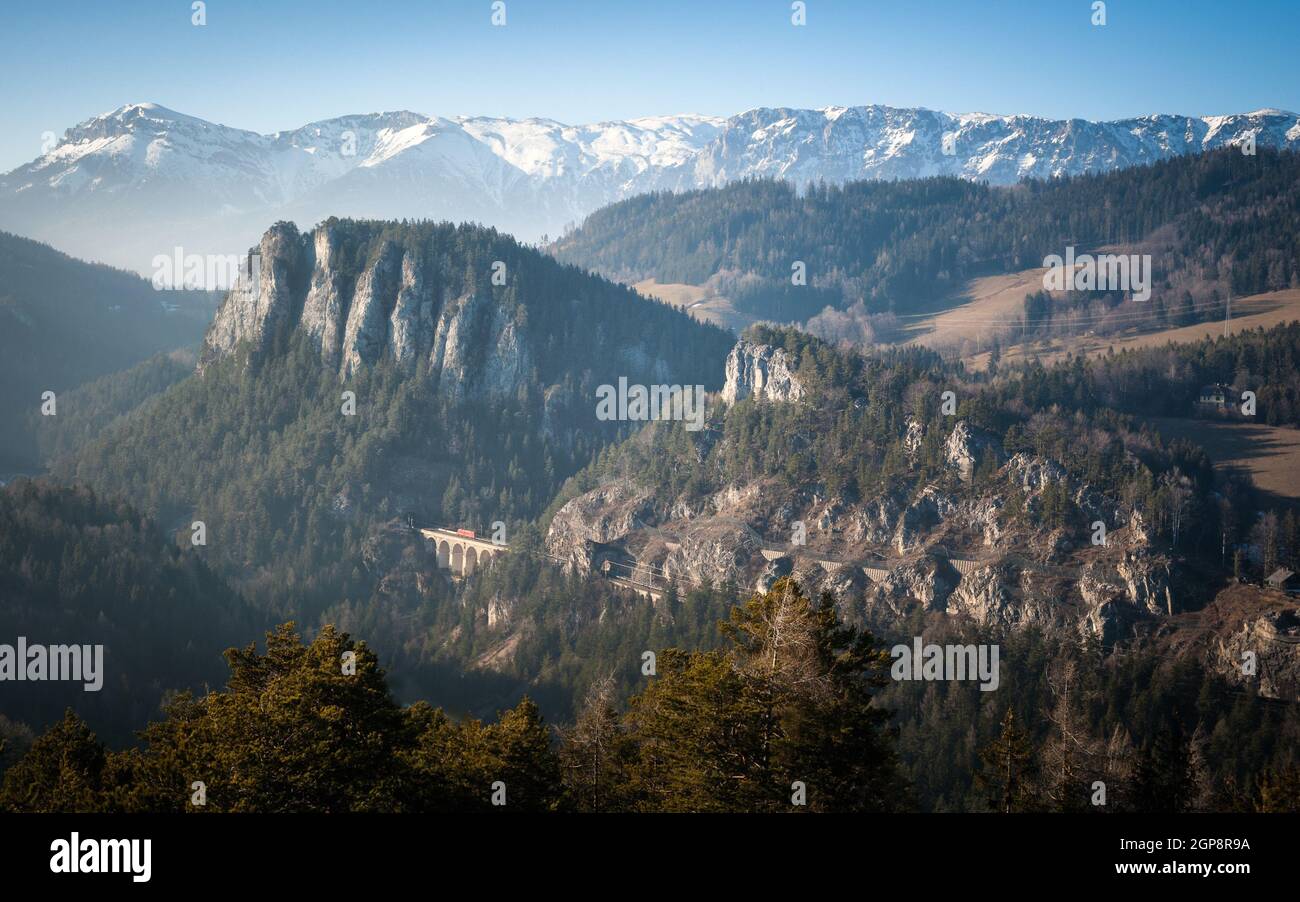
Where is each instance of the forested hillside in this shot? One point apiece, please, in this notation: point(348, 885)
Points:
point(878, 429)
point(1215, 223)
point(712, 731)
point(525, 625)
point(90, 408)
point(1167, 380)
point(1164, 733)
point(1157, 725)
point(294, 482)
point(77, 568)
point(804, 719)
point(64, 322)
point(1153, 718)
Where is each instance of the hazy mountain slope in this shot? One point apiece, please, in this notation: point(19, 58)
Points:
point(473, 402)
point(80, 568)
point(64, 322)
point(89, 409)
point(142, 179)
point(1215, 222)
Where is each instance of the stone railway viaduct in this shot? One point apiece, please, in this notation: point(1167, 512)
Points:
point(462, 553)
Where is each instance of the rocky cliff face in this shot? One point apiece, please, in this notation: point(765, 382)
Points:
point(967, 446)
point(263, 309)
point(398, 307)
point(1264, 654)
point(944, 550)
point(762, 372)
point(599, 517)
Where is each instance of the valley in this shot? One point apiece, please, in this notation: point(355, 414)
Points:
point(860, 468)
point(521, 412)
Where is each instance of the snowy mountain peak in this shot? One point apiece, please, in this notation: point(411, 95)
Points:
point(137, 181)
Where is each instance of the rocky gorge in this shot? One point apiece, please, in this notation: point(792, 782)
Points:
point(945, 548)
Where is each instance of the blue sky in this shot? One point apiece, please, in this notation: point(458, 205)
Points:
point(277, 64)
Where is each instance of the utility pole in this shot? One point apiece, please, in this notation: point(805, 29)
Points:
point(1227, 315)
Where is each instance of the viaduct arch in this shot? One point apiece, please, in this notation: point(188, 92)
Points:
point(462, 554)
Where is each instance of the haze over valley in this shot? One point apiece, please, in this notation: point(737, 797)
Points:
point(860, 459)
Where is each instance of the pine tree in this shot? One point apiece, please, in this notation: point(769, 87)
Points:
point(814, 678)
point(595, 750)
point(789, 703)
point(301, 728)
point(1009, 769)
point(1164, 780)
point(65, 770)
point(1070, 754)
point(524, 759)
point(698, 737)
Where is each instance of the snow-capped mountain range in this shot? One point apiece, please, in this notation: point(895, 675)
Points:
point(142, 180)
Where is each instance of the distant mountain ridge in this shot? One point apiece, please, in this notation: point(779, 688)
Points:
point(138, 181)
point(1215, 223)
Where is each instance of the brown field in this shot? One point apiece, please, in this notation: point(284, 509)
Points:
point(1257, 311)
point(1270, 454)
point(991, 304)
point(990, 307)
point(698, 302)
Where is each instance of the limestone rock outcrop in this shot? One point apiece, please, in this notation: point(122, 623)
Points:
point(762, 372)
point(967, 445)
point(1268, 645)
point(401, 305)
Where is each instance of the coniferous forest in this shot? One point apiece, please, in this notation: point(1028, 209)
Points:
point(1215, 224)
point(597, 731)
point(612, 446)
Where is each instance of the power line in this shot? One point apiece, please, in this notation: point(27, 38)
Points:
point(1122, 316)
